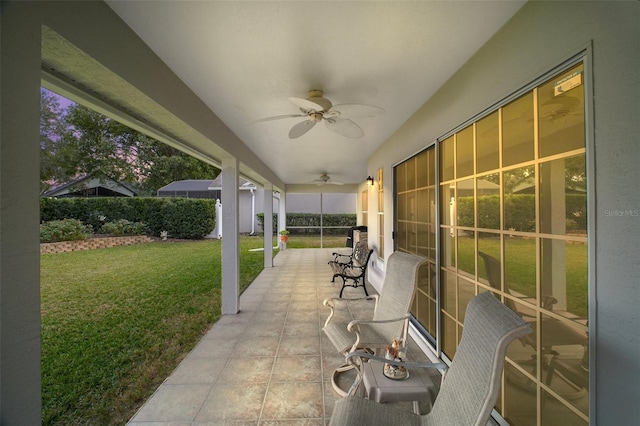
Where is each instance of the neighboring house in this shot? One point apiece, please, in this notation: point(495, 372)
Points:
point(192, 188)
point(251, 198)
point(90, 186)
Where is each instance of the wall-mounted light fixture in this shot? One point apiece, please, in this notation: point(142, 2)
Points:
point(369, 181)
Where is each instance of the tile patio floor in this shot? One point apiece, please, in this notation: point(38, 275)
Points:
point(269, 365)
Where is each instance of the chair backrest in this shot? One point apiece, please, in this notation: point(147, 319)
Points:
point(472, 384)
point(361, 253)
point(494, 275)
point(398, 289)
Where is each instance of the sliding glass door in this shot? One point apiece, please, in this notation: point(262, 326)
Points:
point(508, 199)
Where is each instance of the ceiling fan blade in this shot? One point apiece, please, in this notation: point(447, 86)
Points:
point(325, 179)
point(306, 104)
point(277, 117)
point(344, 127)
point(301, 128)
point(356, 110)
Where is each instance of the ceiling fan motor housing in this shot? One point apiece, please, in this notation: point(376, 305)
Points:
point(316, 96)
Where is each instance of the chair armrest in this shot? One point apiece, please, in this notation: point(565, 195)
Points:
point(354, 323)
point(548, 302)
point(337, 257)
point(331, 304)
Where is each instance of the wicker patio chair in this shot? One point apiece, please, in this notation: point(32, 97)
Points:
point(390, 318)
point(471, 385)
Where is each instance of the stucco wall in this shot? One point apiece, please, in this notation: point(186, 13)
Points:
point(541, 36)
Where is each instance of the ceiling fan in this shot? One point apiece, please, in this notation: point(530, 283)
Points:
point(316, 108)
point(325, 179)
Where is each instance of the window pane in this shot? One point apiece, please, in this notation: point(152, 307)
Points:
point(412, 238)
point(488, 190)
point(517, 131)
point(448, 293)
point(561, 113)
point(411, 174)
point(464, 203)
point(423, 205)
point(487, 155)
point(381, 236)
point(525, 352)
point(431, 158)
point(520, 398)
point(564, 277)
point(447, 249)
point(466, 291)
point(519, 199)
point(421, 311)
point(401, 177)
point(464, 152)
point(449, 340)
point(520, 268)
point(555, 413)
point(466, 253)
point(421, 170)
point(423, 240)
point(402, 236)
point(563, 196)
point(446, 159)
point(447, 201)
point(568, 368)
point(402, 206)
point(489, 260)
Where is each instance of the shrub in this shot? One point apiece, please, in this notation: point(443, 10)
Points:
point(310, 222)
point(64, 230)
point(180, 217)
point(123, 227)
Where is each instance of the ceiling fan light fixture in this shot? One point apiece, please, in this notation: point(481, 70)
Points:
point(317, 108)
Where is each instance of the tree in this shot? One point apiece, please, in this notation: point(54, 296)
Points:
point(52, 128)
point(80, 141)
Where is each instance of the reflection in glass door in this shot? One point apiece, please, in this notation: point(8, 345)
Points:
point(512, 206)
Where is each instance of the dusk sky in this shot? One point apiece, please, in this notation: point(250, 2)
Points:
point(64, 102)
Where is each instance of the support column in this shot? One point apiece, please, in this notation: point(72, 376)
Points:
point(282, 217)
point(268, 225)
point(230, 237)
point(20, 382)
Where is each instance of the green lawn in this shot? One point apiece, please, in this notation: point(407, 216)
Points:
point(521, 267)
point(117, 321)
point(313, 241)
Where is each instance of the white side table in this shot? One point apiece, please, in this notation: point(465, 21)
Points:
point(419, 386)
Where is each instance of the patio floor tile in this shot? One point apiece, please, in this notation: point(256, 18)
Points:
point(269, 365)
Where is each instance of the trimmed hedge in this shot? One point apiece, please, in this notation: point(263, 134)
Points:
point(122, 227)
point(180, 217)
point(311, 220)
point(519, 212)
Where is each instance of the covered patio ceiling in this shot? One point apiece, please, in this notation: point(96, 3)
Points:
point(244, 59)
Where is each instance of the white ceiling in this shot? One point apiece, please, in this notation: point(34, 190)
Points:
point(245, 58)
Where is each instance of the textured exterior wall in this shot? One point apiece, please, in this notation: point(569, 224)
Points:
point(538, 38)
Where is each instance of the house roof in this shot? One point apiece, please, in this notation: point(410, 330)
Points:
point(88, 181)
point(187, 185)
point(201, 185)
